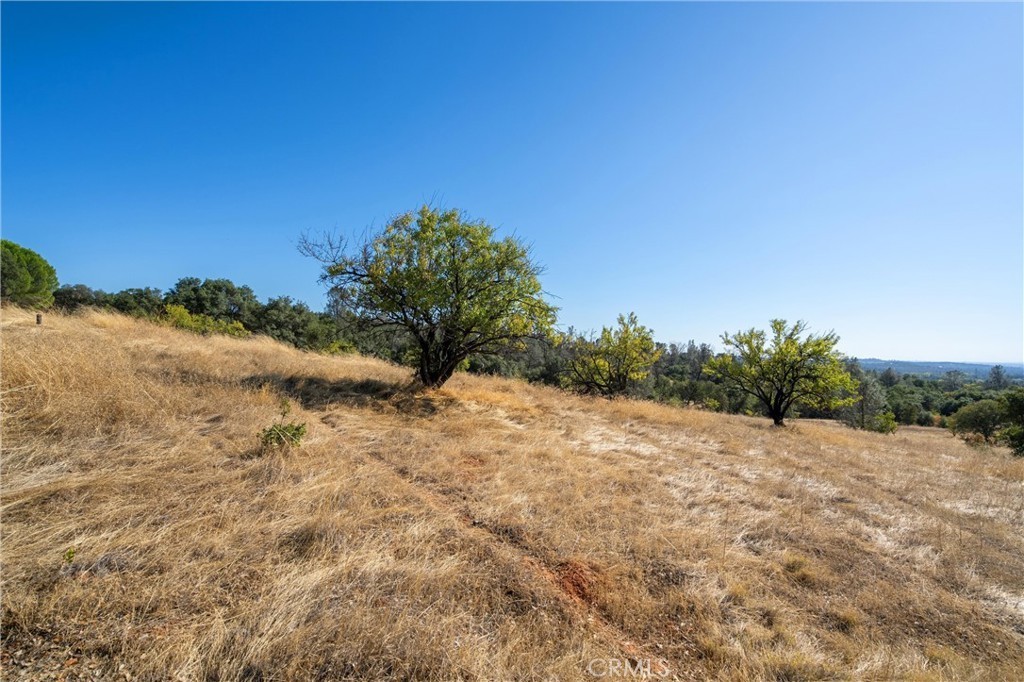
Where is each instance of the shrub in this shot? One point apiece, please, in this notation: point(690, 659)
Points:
point(885, 423)
point(177, 316)
point(982, 418)
point(282, 434)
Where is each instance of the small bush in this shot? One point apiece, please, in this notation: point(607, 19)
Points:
point(885, 423)
point(281, 434)
point(178, 316)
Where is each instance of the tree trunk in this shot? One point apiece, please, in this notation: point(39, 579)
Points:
point(436, 366)
point(437, 377)
point(776, 410)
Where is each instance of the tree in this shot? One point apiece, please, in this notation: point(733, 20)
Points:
point(786, 372)
point(982, 418)
point(293, 322)
point(25, 276)
point(889, 377)
point(146, 302)
point(443, 279)
point(1013, 419)
point(954, 380)
point(871, 411)
point(615, 362)
point(220, 299)
point(997, 378)
point(71, 297)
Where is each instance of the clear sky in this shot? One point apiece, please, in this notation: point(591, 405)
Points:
point(709, 166)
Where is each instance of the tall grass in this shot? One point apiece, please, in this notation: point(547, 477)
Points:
point(488, 530)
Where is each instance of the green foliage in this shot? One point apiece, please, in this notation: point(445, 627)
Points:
point(982, 418)
point(884, 423)
point(871, 411)
point(220, 299)
point(26, 278)
point(787, 371)
point(997, 379)
point(293, 322)
point(443, 280)
point(616, 361)
point(146, 302)
point(283, 434)
point(69, 556)
point(177, 316)
point(889, 377)
point(71, 297)
point(679, 378)
point(954, 380)
point(1012, 434)
point(539, 360)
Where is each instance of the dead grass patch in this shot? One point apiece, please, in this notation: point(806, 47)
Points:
point(489, 530)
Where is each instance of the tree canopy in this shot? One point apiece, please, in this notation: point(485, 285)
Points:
point(1013, 420)
point(982, 418)
point(220, 299)
point(25, 276)
point(871, 411)
point(787, 370)
point(445, 280)
point(616, 361)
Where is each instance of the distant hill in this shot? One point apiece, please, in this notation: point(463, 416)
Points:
point(972, 369)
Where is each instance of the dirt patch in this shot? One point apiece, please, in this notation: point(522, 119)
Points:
point(579, 580)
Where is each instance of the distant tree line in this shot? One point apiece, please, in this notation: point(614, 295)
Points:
point(217, 306)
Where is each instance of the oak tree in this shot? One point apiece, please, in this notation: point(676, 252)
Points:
point(615, 362)
point(444, 280)
point(785, 369)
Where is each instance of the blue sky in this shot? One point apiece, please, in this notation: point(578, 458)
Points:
point(709, 166)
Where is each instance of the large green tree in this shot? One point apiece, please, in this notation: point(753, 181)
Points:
point(25, 276)
point(443, 279)
point(615, 362)
point(785, 369)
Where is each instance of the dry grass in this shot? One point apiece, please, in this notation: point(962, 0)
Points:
point(490, 530)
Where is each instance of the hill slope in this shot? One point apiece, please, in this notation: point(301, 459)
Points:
point(490, 530)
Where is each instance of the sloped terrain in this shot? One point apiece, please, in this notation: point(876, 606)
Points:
point(489, 530)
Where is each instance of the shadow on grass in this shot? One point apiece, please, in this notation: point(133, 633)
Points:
point(315, 393)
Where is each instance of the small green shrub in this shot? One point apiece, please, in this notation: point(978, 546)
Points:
point(178, 316)
point(336, 348)
point(885, 423)
point(282, 434)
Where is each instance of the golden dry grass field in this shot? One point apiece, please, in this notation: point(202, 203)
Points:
point(491, 530)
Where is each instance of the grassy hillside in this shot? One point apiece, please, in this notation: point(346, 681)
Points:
point(489, 530)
